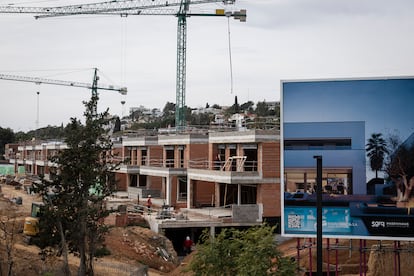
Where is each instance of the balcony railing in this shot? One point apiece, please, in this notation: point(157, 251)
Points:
point(232, 164)
point(235, 163)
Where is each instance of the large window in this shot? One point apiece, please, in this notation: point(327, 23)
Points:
point(250, 151)
point(229, 194)
point(133, 180)
point(182, 188)
point(318, 144)
point(144, 156)
point(334, 181)
point(181, 154)
point(169, 157)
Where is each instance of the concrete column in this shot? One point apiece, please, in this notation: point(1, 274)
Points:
point(168, 190)
point(212, 231)
point(189, 193)
point(217, 195)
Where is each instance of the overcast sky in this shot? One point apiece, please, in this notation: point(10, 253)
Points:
point(282, 39)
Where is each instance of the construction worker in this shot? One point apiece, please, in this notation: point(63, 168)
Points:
point(149, 204)
point(188, 243)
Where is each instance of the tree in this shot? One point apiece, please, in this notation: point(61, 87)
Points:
point(400, 167)
point(234, 109)
point(80, 183)
point(247, 106)
point(262, 109)
point(376, 149)
point(9, 223)
point(169, 108)
point(117, 125)
point(240, 252)
point(6, 137)
point(201, 119)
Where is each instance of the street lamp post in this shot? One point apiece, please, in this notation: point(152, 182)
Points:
point(37, 113)
point(319, 213)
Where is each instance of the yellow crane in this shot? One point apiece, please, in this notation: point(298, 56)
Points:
point(178, 8)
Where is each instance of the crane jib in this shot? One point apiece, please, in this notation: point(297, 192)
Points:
point(179, 8)
point(122, 90)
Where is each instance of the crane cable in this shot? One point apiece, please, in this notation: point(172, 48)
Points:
point(230, 60)
point(124, 50)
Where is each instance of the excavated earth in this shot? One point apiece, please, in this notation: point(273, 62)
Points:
point(135, 250)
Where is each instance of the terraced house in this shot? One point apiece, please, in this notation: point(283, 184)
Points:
point(215, 179)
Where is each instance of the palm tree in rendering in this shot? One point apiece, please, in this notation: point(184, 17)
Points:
point(376, 150)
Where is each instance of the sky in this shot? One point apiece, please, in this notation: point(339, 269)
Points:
point(385, 105)
point(282, 39)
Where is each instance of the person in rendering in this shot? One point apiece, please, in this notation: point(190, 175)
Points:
point(149, 204)
point(188, 243)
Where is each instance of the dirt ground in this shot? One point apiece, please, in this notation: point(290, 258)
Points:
point(134, 250)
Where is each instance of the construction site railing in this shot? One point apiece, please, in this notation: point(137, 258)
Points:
point(232, 164)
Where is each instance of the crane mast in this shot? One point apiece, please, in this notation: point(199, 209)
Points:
point(180, 108)
point(143, 7)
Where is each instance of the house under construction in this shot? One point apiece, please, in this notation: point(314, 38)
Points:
point(196, 179)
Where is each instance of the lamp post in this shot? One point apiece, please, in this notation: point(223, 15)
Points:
point(122, 111)
point(37, 113)
point(319, 213)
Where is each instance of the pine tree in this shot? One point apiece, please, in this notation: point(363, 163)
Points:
point(79, 185)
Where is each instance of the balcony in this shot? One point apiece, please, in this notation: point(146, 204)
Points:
point(236, 170)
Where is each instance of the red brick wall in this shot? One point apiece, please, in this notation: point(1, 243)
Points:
point(203, 192)
point(173, 190)
point(121, 181)
point(198, 151)
point(270, 161)
point(156, 182)
point(155, 152)
point(269, 196)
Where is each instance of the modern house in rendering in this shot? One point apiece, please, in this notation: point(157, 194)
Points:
point(342, 147)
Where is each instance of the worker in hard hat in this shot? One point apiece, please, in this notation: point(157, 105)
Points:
point(149, 204)
point(188, 244)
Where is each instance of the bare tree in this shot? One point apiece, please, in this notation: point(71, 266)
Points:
point(8, 228)
point(400, 167)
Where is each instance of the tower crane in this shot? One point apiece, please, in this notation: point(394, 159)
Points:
point(94, 86)
point(178, 8)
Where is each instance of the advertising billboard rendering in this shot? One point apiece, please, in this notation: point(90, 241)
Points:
point(364, 131)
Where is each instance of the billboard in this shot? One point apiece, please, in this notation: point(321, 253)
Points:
point(364, 131)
